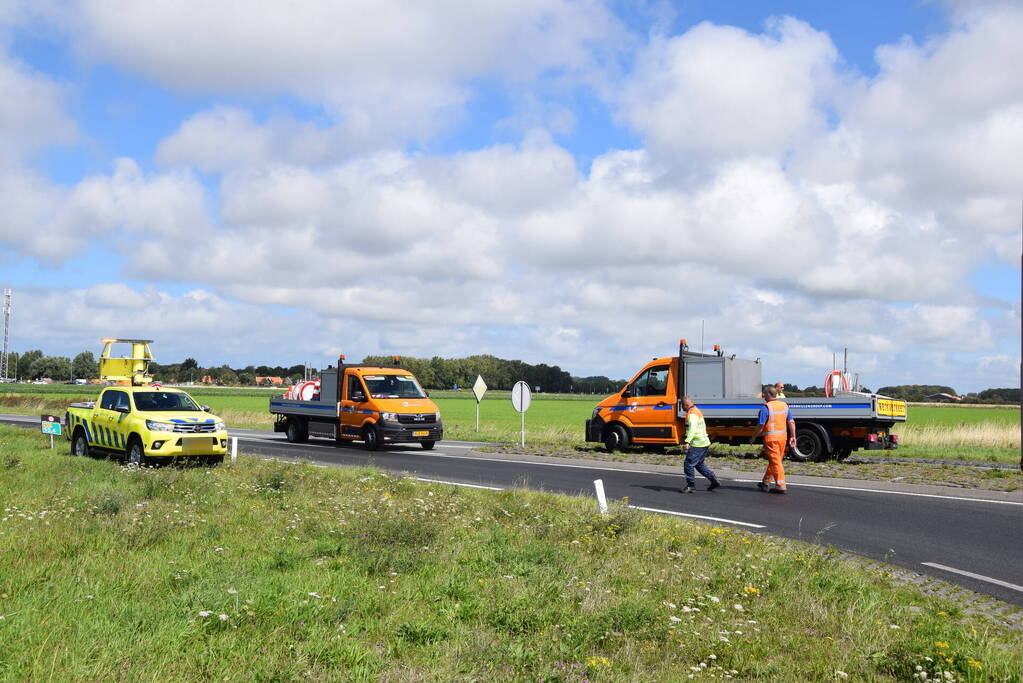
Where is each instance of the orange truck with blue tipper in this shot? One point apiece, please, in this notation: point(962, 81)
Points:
point(369, 403)
point(648, 410)
point(140, 421)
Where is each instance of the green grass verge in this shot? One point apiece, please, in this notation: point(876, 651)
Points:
point(267, 571)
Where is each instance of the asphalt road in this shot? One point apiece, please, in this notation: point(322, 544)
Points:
point(976, 543)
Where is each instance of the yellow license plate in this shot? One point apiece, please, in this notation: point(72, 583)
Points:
point(422, 433)
point(891, 408)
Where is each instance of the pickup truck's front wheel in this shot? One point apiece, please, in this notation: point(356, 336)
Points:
point(371, 437)
point(79, 444)
point(135, 454)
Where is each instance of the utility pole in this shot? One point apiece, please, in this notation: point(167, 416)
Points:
point(7, 328)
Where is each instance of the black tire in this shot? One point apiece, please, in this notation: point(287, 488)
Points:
point(843, 453)
point(371, 436)
point(427, 445)
point(79, 444)
point(809, 446)
point(134, 453)
point(297, 432)
point(615, 438)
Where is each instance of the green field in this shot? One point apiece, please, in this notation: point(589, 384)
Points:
point(960, 432)
point(267, 571)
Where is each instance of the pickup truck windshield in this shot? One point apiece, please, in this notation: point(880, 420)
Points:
point(164, 401)
point(393, 386)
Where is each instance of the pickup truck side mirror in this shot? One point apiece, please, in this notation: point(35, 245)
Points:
point(626, 393)
point(123, 409)
point(205, 409)
point(359, 397)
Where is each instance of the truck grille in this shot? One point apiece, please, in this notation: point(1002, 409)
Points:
point(195, 428)
point(417, 418)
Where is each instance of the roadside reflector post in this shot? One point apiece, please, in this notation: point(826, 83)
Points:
point(598, 484)
point(521, 398)
point(234, 448)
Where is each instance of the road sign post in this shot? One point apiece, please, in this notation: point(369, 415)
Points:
point(50, 424)
point(478, 389)
point(521, 398)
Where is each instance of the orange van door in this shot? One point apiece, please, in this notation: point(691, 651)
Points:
point(353, 397)
point(650, 410)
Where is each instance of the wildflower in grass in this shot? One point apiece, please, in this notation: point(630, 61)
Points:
point(941, 644)
point(975, 664)
point(751, 590)
point(894, 627)
point(223, 617)
point(841, 674)
point(232, 591)
point(737, 607)
point(205, 613)
point(674, 619)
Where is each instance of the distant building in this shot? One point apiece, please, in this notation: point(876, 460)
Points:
point(275, 381)
point(938, 398)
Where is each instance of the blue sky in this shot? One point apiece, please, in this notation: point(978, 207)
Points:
point(530, 181)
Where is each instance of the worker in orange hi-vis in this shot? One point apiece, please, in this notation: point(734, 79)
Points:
point(779, 430)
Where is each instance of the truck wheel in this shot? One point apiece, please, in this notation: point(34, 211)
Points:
point(79, 444)
point(295, 432)
point(843, 453)
point(135, 453)
point(427, 445)
point(371, 437)
point(808, 446)
point(615, 438)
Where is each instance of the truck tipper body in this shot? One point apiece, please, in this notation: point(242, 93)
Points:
point(139, 421)
point(648, 410)
point(368, 403)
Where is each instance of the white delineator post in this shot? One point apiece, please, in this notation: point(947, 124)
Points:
point(598, 484)
point(234, 448)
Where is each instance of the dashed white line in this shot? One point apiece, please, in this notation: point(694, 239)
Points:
point(458, 483)
point(712, 519)
point(894, 493)
point(979, 577)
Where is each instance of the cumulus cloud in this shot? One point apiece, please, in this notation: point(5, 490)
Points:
point(719, 90)
point(383, 68)
point(31, 112)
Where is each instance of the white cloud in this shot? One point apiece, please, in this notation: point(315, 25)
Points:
point(384, 68)
point(31, 112)
point(718, 90)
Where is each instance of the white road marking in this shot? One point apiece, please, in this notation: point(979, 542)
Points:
point(894, 493)
point(456, 483)
point(979, 577)
point(713, 519)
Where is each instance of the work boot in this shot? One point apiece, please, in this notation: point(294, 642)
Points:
point(713, 485)
point(689, 488)
point(777, 490)
point(762, 486)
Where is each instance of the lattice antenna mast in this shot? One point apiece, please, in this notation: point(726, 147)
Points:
point(7, 330)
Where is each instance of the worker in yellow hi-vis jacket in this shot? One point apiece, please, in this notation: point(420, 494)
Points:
point(696, 445)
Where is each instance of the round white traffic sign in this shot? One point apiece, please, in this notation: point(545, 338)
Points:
point(521, 397)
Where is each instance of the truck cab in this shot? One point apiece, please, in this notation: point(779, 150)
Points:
point(367, 403)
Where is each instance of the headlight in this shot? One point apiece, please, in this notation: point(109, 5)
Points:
point(390, 417)
point(436, 416)
point(159, 426)
point(596, 412)
point(220, 427)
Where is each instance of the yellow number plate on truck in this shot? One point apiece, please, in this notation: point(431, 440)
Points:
point(891, 408)
point(423, 433)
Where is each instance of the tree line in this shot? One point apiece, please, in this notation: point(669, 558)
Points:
point(433, 373)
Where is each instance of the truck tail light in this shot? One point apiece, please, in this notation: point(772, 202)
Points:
point(895, 438)
point(872, 437)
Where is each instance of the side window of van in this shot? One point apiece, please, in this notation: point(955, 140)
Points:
point(354, 387)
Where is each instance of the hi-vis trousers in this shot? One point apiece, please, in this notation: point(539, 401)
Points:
point(775, 450)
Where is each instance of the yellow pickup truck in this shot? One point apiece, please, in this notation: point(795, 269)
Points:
point(139, 421)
